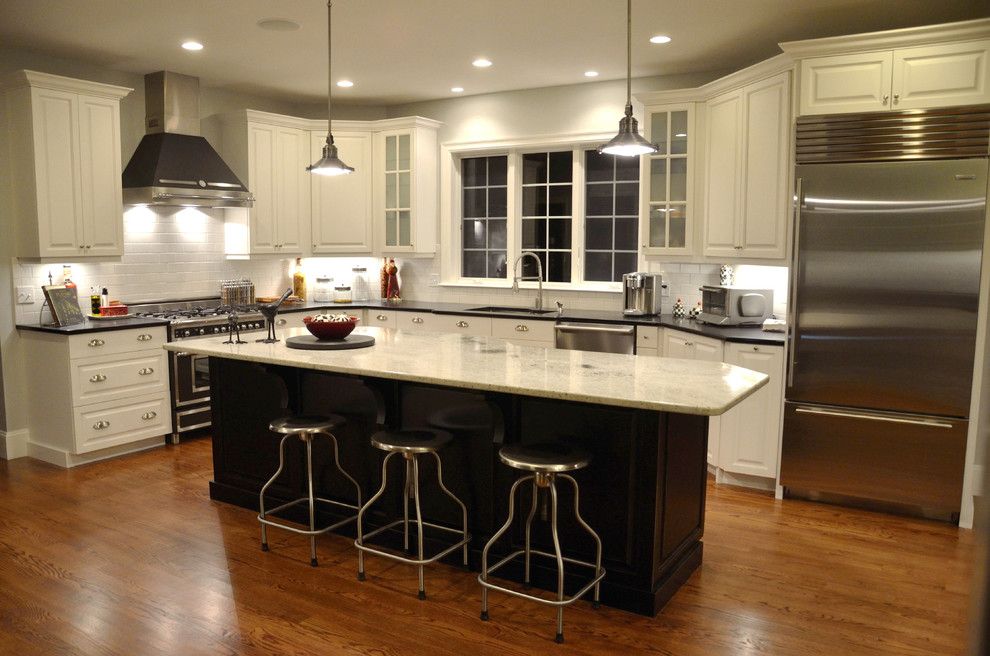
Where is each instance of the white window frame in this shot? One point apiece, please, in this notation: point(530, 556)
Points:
point(452, 222)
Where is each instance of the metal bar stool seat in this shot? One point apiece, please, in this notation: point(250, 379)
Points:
point(306, 427)
point(410, 444)
point(548, 462)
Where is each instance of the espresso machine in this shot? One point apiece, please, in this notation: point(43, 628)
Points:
point(641, 293)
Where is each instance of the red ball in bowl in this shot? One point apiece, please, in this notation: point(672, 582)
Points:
point(330, 329)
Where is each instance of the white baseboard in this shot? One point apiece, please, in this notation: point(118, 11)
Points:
point(723, 477)
point(13, 444)
point(967, 512)
point(61, 458)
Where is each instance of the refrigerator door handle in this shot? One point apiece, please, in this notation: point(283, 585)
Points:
point(933, 423)
point(792, 301)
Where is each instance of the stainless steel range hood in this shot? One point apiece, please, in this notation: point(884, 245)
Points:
point(173, 165)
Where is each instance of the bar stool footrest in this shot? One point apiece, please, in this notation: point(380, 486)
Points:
point(382, 551)
point(566, 601)
point(339, 504)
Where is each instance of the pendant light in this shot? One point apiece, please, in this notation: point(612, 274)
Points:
point(329, 164)
point(628, 142)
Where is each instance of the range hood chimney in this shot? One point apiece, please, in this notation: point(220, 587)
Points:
point(173, 165)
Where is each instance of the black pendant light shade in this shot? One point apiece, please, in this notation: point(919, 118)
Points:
point(330, 163)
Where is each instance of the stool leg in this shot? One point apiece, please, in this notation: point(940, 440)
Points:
point(336, 461)
point(494, 539)
point(405, 505)
point(360, 515)
point(560, 559)
point(450, 494)
point(419, 525)
point(261, 497)
point(312, 499)
point(598, 541)
point(529, 525)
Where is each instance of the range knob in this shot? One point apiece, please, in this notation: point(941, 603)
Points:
point(202, 331)
point(216, 329)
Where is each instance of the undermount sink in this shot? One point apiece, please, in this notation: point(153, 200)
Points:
point(508, 310)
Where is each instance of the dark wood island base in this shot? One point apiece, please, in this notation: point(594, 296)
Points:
point(644, 492)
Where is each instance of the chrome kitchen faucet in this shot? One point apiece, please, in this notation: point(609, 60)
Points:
point(538, 278)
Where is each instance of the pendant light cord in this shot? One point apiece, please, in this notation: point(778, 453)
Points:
point(628, 52)
point(329, 72)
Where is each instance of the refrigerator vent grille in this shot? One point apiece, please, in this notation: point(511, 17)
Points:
point(945, 133)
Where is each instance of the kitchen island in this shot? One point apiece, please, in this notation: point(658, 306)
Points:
point(644, 420)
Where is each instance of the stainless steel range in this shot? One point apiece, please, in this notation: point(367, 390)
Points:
point(189, 374)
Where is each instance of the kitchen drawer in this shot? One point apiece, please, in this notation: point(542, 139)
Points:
point(88, 345)
point(380, 318)
point(292, 319)
point(647, 337)
point(109, 424)
point(420, 321)
point(528, 330)
point(99, 379)
point(464, 324)
point(646, 351)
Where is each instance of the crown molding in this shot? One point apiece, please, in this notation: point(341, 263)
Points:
point(761, 70)
point(889, 39)
point(35, 79)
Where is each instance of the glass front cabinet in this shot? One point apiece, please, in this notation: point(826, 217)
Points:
point(667, 207)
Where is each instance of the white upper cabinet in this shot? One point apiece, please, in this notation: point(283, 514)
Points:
point(64, 135)
point(342, 205)
point(667, 181)
point(746, 171)
point(905, 78)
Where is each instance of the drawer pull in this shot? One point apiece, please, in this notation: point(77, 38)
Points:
point(97, 378)
point(148, 416)
point(96, 342)
point(146, 371)
point(144, 337)
point(101, 424)
point(382, 317)
point(688, 343)
point(756, 348)
point(521, 328)
point(417, 319)
point(462, 324)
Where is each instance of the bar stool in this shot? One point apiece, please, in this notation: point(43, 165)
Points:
point(410, 444)
point(306, 427)
point(547, 462)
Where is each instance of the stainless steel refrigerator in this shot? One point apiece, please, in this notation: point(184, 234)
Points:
point(889, 229)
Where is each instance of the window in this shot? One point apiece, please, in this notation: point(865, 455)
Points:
point(547, 199)
point(611, 216)
point(484, 204)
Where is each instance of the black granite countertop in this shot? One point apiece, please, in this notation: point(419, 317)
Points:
point(746, 335)
point(95, 326)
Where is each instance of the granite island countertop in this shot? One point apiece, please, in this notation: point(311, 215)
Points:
point(491, 364)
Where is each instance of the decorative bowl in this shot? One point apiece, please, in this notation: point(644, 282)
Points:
point(330, 329)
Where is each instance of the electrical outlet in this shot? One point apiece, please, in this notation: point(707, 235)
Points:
point(434, 280)
point(25, 295)
point(664, 291)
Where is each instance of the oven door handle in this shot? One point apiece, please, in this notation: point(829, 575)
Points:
point(181, 354)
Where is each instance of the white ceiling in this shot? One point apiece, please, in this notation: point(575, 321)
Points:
point(405, 50)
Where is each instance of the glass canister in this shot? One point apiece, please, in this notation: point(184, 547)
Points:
point(359, 284)
point(342, 294)
point(323, 289)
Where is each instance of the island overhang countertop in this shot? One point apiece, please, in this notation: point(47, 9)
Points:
point(492, 364)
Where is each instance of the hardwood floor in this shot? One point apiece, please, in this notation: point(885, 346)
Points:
point(131, 557)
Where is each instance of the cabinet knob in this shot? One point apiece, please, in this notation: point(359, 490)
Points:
point(897, 98)
point(146, 371)
point(101, 424)
point(382, 317)
point(756, 348)
point(97, 378)
point(520, 328)
point(883, 101)
point(688, 343)
point(462, 324)
point(738, 248)
point(144, 337)
point(148, 416)
point(281, 322)
point(96, 342)
point(417, 319)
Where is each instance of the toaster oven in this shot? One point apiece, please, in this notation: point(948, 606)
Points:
point(725, 305)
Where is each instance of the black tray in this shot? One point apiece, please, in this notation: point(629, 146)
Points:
point(310, 343)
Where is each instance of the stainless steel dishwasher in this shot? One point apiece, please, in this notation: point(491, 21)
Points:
point(607, 338)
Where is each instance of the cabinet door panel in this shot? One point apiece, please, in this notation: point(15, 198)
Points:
point(342, 205)
point(933, 76)
point(767, 126)
point(56, 152)
point(102, 204)
point(723, 171)
point(846, 83)
point(750, 431)
point(261, 171)
point(676, 345)
point(292, 188)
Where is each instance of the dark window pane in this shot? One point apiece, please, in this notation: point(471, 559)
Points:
point(496, 233)
point(474, 203)
point(624, 263)
point(496, 201)
point(496, 264)
point(598, 200)
point(598, 234)
point(534, 201)
point(626, 199)
point(473, 172)
point(474, 234)
point(474, 264)
point(560, 201)
point(598, 167)
point(534, 168)
point(626, 168)
point(560, 166)
point(534, 233)
point(598, 266)
point(528, 266)
point(560, 233)
point(560, 267)
point(625, 233)
point(497, 167)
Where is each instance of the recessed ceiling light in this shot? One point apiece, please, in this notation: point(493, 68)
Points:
point(660, 38)
point(457, 89)
point(591, 73)
point(346, 84)
point(192, 45)
point(278, 25)
point(481, 62)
